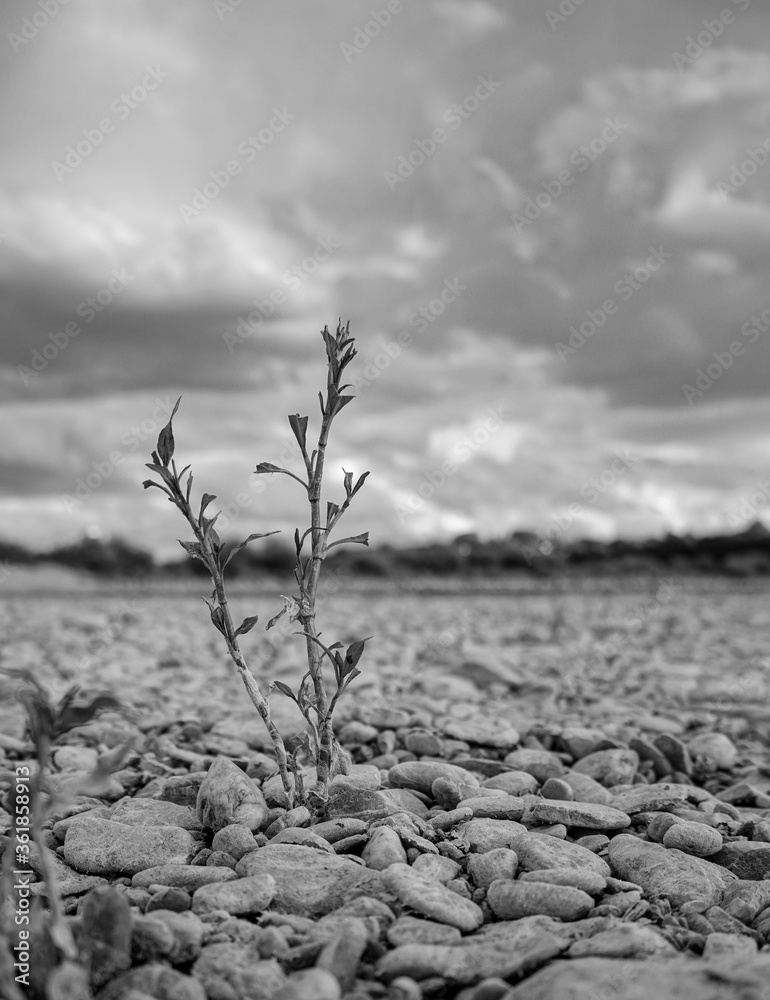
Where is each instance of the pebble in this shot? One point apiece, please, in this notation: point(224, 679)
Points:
point(307, 984)
point(308, 882)
point(413, 930)
point(679, 976)
point(499, 863)
point(342, 954)
point(339, 829)
point(103, 847)
point(187, 933)
point(436, 866)
point(720, 946)
point(105, 941)
point(152, 812)
point(693, 838)
point(514, 900)
point(235, 840)
point(431, 898)
point(674, 751)
point(383, 849)
point(494, 807)
point(487, 834)
point(241, 896)
point(423, 743)
point(609, 767)
point(649, 798)
point(658, 825)
point(755, 865)
point(190, 877)
point(167, 897)
point(712, 752)
point(420, 775)
point(586, 789)
point(629, 940)
point(595, 842)
point(513, 782)
point(579, 742)
point(590, 882)
point(541, 764)
point(489, 732)
point(227, 796)
point(155, 979)
point(745, 900)
point(584, 814)
point(671, 874)
point(537, 852)
point(557, 788)
point(350, 801)
point(229, 970)
point(516, 947)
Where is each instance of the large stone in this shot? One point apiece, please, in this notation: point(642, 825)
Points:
point(742, 978)
point(308, 882)
point(609, 767)
point(677, 876)
point(227, 796)
point(430, 898)
point(240, 897)
point(484, 835)
point(190, 877)
point(514, 900)
point(153, 812)
point(624, 941)
point(230, 971)
point(103, 847)
point(585, 814)
point(420, 775)
point(515, 949)
point(155, 979)
point(537, 851)
point(649, 798)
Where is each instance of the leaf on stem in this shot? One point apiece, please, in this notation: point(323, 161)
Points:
point(353, 653)
point(206, 499)
point(247, 625)
point(237, 548)
point(360, 483)
point(284, 689)
point(332, 510)
point(290, 606)
point(362, 539)
point(193, 549)
point(267, 467)
point(299, 427)
point(166, 438)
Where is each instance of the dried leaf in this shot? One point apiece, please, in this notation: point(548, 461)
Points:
point(166, 438)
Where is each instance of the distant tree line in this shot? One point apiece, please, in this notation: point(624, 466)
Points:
point(743, 554)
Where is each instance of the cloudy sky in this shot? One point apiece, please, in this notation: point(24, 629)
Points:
point(541, 219)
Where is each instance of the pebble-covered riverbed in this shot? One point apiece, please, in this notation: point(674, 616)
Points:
point(552, 794)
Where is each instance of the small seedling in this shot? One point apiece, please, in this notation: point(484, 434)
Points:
point(47, 722)
point(312, 698)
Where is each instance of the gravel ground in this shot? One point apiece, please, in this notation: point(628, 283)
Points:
point(561, 787)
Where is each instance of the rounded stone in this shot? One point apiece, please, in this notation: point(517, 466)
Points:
point(541, 764)
point(499, 863)
point(556, 788)
point(431, 899)
point(693, 838)
point(609, 767)
point(236, 839)
point(514, 900)
point(589, 815)
point(420, 775)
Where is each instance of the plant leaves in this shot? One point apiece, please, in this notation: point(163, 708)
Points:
point(360, 483)
point(299, 427)
point(206, 499)
point(353, 653)
point(247, 625)
point(237, 548)
point(166, 438)
point(218, 618)
point(348, 482)
point(71, 716)
point(193, 549)
point(267, 467)
point(332, 509)
point(284, 689)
